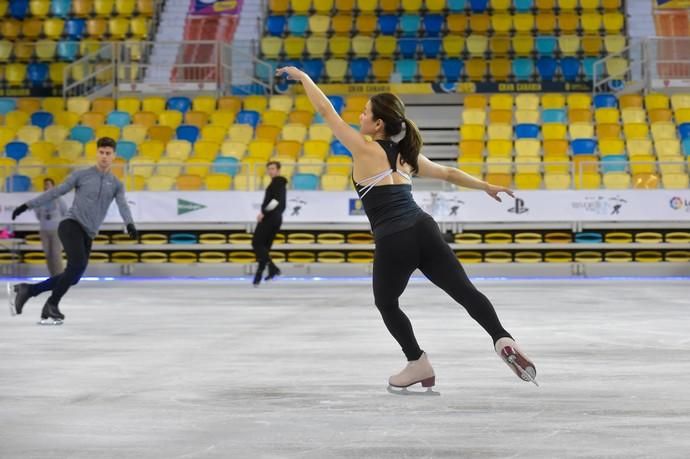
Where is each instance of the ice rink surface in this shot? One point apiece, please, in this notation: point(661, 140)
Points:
point(298, 369)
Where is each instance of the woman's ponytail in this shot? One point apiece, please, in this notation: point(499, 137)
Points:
point(410, 145)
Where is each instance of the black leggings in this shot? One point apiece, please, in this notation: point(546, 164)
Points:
point(263, 237)
point(422, 246)
point(77, 245)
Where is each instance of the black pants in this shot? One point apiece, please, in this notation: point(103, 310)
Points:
point(262, 240)
point(422, 246)
point(77, 246)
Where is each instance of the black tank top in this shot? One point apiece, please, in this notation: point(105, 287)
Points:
point(389, 208)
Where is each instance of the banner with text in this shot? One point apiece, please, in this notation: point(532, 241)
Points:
point(210, 7)
point(344, 207)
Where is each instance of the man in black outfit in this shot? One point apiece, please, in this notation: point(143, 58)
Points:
point(270, 219)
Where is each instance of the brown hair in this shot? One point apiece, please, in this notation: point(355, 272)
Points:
point(105, 142)
point(390, 109)
point(48, 179)
point(273, 163)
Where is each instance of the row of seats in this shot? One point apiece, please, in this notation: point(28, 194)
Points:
point(449, 46)
point(21, 9)
point(651, 101)
point(435, 6)
point(631, 118)
point(569, 69)
point(116, 28)
point(435, 25)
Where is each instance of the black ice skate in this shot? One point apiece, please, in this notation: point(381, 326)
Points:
point(18, 295)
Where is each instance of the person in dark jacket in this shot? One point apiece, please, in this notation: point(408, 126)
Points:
point(269, 220)
point(49, 216)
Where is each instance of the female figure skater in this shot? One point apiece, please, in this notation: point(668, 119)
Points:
point(406, 237)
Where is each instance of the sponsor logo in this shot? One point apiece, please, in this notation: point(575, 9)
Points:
point(519, 207)
point(295, 206)
point(600, 205)
point(678, 203)
point(355, 207)
point(185, 207)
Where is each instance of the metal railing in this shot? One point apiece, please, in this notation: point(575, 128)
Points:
point(250, 176)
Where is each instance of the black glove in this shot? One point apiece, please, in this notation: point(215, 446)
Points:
point(19, 210)
point(132, 231)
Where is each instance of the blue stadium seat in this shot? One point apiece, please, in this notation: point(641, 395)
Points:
point(452, 69)
point(456, 6)
point(546, 67)
point(338, 149)
point(433, 24)
point(407, 68)
point(570, 67)
point(42, 119)
point(605, 100)
point(275, 25)
point(479, 6)
point(61, 8)
point(684, 131)
point(554, 115)
point(523, 5)
point(359, 69)
point(338, 103)
point(181, 104)
point(409, 24)
point(16, 150)
point(583, 146)
point(83, 134)
point(264, 72)
point(18, 183)
point(314, 68)
point(388, 24)
point(37, 73)
point(119, 119)
point(523, 68)
point(614, 163)
point(546, 45)
point(247, 117)
point(226, 165)
point(67, 50)
point(431, 47)
point(408, 47)
point(685, 146)
point(7, 105)
point(126, 149)
point(19, 9)
point(187, 132)
point(305, 182)
point(527, 131)
point(75, 28)
point(298, 25)
point(588, 67)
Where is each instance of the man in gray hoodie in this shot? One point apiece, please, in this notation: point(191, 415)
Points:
point(49, 216)
point(95, 189)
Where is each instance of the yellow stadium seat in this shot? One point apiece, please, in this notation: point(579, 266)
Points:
point(16, 119)
point(639, 147)
point(613, 21)
point(178, 149)
point(160, 183)
point(501, 102)
point(675, 181)
point(456, 24)
point(15, 74)
point(6, 135)
point(390, 6)
point(655, 101)
point(189, 182)
point(103, 7)
point(479, 23)
point(281, 103)
point(641, 164)
point(591, 22)
point(93, 119)
point(103, 105)
point(218, 182)
point(553, 101)
point(31, 167)
point(523, 44)
point(499, 45)
point(660, 115)
point(546, 5)
point(135, 183)
point(577, 115)
point(568, 22)
point(194, 118)
point(523, 23)
point(316, 46)
point(527, 102)
point(501, 117)
point(261, 148)
point(339, 46)
point(527, 181)
point(527, 147)
point(241, 133)
point(645, 181)
point(336, 69)
point(288, 149)
point(39, 8)
point(606, 115)
point(545, 22)
point(473, 116)
point(309, 165)
point(197, 165)
point(498, 165)
point(429, 69)
point(153, 104)
point(385, 45)
point(42, 150)
point(267, 132)
point(245, 183)
point(499, 148)
point(554, 131)
point(633, 115)
point(230, 103)
point(473, 101)
point(581, 131)
point(151, 149)
point(302, 117)
point(294, 46)
point(55, 134)
point(78, 105)
point(366, 24)
point(170, 118)
point(29, 134)
point(611, 147)
point(500, 69)
point(90, 150)
point(134, 133)
point(556, 181)
point(118, 28)
point(222, 118)
point(205, 149)
point(412, 6)
point(615, 43)
point(617, 180)
point(471, 148)
point(213, 133)
point(339, 165)
point(108, 131)
point(362, 45)
point(588, 181)
point(636, 130)
point(667, 147)
point(555, 147)
point(617, 67)
point(319, 24)
point(663, 130)
point(475, 69)
point(66, 119)
point(316, 149)
point(501, 23)
point(297, 132)
point(320, 132)
point(356, 103)
point(169, 167)
point(556, 164)
point(500, 178)
point(274, 118)
point(579, 101)
point(608, 130)
point(334, 182)
point(70, 149)
point(472, 132)
point(206, 104)
point(382, 69)
point(569, 44)
point(682, 115)
point(278, 6)
point(233, 149)
point(342, 23)
point(500, 131)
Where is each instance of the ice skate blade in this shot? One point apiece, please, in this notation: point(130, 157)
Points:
point(10, 300)
point(49, 322)
point(403, 391)
point(528, 374)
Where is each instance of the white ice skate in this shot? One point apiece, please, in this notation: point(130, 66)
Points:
point(49, 321)
point(10, 299)
point(416, 371)
point(508, 350)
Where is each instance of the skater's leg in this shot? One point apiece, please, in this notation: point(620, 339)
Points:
point(272, 268)
point(77, 246)
point(73, 239)
point(261, 240)
point(395, 259)
point(442, 267)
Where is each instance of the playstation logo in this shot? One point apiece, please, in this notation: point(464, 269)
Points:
point(519, 207)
